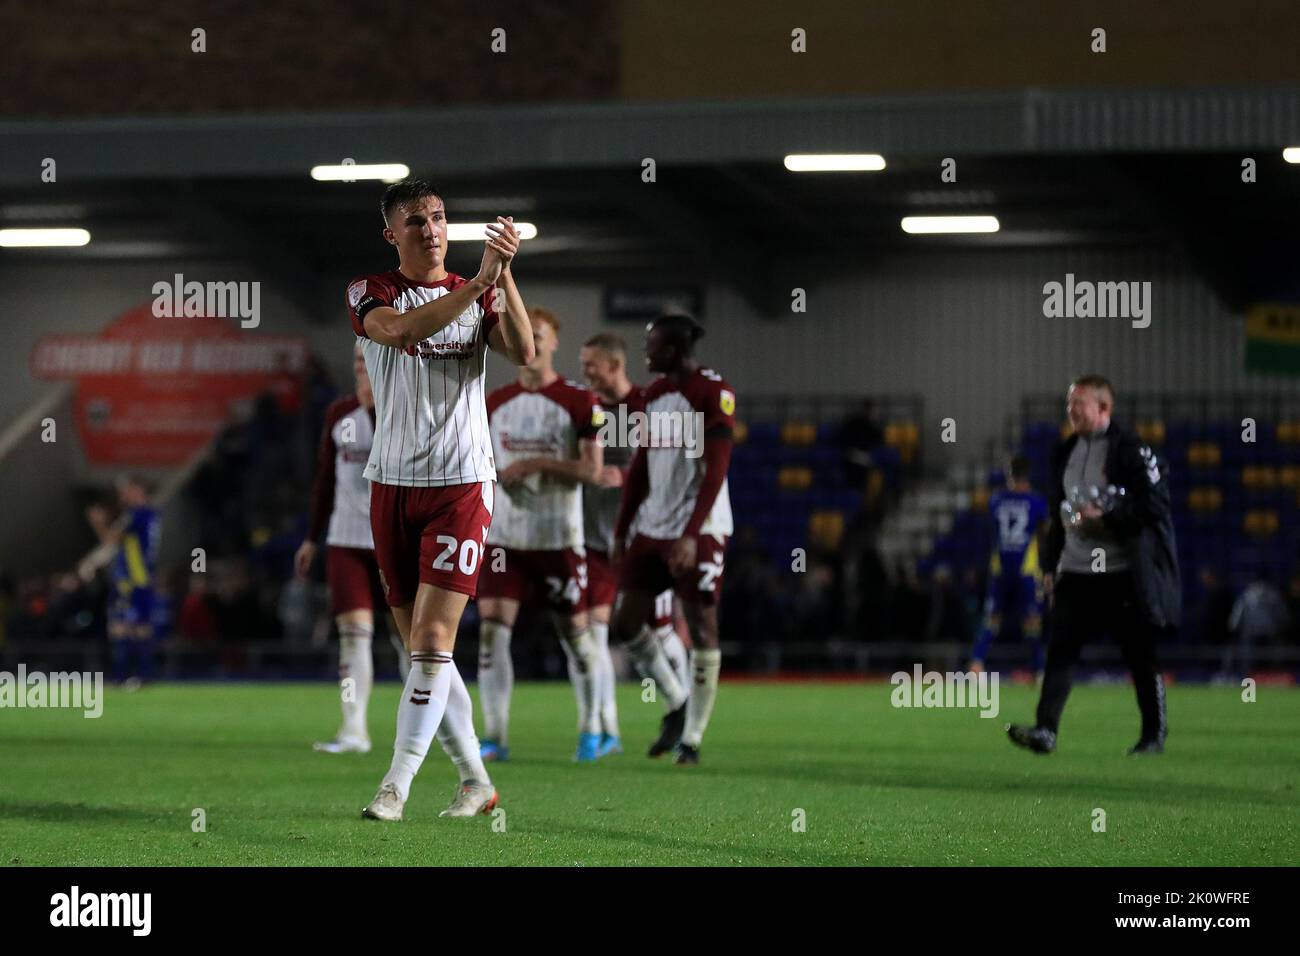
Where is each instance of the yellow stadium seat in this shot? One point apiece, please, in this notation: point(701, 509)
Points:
point(1261, 523)
point(798, 433)
point(1204, 454)
point(795, 478)
point(902, 435)
point(1153, 433)
point(979, 500)
point(1288, 433)
point(1288, 476)
point(826, 529)
point(739, 433)
point(1205, 499)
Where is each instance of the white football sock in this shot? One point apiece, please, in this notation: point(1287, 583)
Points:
point(356, 675)
point(456, 732)
point(706, 664)
point(649, 656)
point(496, 679)
point(580, 649)
point(605, 682)
point(424, 698)
point(675, 651)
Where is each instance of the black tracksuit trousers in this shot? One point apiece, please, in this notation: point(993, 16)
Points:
point(1085, 606)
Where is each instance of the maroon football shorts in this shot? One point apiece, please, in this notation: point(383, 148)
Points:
point(645, 568)
point(556, 578)
point(602, 588)
point(429, 536)
point(353, 578)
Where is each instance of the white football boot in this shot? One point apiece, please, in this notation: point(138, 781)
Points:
point(343, 745)
point(471, 799)
point(387, 805)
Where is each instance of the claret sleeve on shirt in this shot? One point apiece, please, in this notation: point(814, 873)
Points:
point(366, 293)
point(588, 415)
point(719, 405)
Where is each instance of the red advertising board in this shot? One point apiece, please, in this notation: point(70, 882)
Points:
point(152, 391)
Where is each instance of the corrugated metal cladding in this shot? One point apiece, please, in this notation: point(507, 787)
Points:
point(1159, 120)
point(967, 331)
point(456, 140)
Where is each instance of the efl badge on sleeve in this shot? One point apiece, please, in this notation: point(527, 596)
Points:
point(727, 402)
point(355, 291)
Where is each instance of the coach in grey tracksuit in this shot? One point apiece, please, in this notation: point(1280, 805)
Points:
point(1114, 571)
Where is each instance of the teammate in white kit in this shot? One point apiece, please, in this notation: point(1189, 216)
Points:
point(544, 435)
point(676, 505)
point(340, 513)
point(604, 366)
point(425, 333)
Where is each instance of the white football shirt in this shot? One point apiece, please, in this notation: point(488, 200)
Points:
point(542, 512)
point(674, 476)
point(431, 424)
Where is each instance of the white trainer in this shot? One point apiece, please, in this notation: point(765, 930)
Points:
point(387, 804)
point(471, 799)
point(343, 745)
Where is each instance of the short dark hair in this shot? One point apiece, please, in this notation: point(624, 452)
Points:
point(1097, 383)
point(408, 190)
point(607, 342)
point(680, 330)
point(1019, 465)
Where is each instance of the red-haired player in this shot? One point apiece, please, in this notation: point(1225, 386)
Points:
point(544, 435)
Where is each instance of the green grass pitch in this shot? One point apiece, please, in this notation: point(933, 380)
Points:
point(877, 786)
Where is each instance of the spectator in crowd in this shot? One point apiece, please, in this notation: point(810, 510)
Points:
point(6, 604)
point(816, 600)
point(1214, 605)
point(860, 436)
point(751, 582)
point(1260, 616)
point(72, 607)
point(197, 620)
point(948, 618)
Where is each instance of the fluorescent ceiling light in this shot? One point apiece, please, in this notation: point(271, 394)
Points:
point(1291, 154)
point(42, 238)
point(932, 225)
point(834, 162)
point(471, 231)
point(388, 172)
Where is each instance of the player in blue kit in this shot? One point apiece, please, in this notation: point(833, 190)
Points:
point(131, 544)
point(1015, 581)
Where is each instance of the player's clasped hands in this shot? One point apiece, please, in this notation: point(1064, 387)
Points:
point(500, 249)
point(504, 239)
